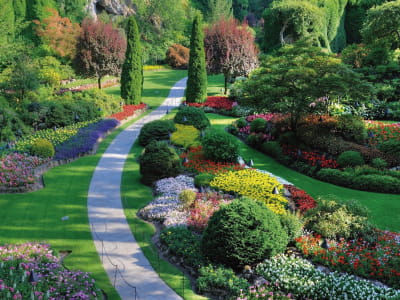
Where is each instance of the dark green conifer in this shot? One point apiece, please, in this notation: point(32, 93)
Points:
point(132, 69)
point(196, 90)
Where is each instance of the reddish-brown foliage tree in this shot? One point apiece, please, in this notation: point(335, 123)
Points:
point(178, 56)
point(230, 49)
point(59, 33)
point(100, 50)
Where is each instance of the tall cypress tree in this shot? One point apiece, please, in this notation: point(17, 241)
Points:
point(196, 89)
point(132, 69)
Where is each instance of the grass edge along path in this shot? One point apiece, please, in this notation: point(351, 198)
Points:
point(36, 216)
point(384, 208)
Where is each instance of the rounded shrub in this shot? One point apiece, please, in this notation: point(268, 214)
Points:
point(242, 233)
point(335, 176)
point(379, 163)
point(377, 183)
point(42, 148)
point(158, 161)
point(391, 147)
point(189, 115)
point(351, 128)
point(187, 197)
point(177, 56)
point(240, 123)
point(220, 146)
point(258, 125)
point(203, 179)
point(350, 159)
point(157, 130)
point(232, 129)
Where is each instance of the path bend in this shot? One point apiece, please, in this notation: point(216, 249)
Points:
point(111, 233)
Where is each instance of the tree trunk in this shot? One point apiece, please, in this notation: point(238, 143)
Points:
point(282, 31)
point(99, 82)
point(226, 77)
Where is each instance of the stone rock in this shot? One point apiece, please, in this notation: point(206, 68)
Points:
point(112, 7)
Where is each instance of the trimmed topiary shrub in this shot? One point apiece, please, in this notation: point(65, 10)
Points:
point(240, 123)
point(157, 130)
point(377, 183)
point(158, 161)
point(203, 179)
point(258, 125)
point(350, 159)
point(335, 176)
point(189, 115)
point(186, 136)
point(42, 148)
point(219, 146)
point(243, 233)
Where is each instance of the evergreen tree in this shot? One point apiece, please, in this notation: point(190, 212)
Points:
point(132, 69)
point(196, 90)
point(6, 23)
point(19, 9)
point(218, 9)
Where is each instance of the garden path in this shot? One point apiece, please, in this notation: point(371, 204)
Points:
point(122, 258)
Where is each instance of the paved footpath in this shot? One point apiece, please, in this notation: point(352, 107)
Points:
point(111, 233)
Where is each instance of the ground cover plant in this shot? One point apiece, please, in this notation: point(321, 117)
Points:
point(185, 136)
point(32, 271)
point(19, 169)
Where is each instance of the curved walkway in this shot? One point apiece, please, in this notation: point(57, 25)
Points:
point(121, 255)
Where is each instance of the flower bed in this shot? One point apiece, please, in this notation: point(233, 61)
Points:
point(301, 199)
point(304, 281)
point(56, 136)
point(380, 132)
point(18, 170)
point(217, 102)
point(128, 111)
point(31, 271)
point(198, 163)
point(251, 183)
point(313, 158)
point(379, 260)
point(85, 139)
point(204, 206)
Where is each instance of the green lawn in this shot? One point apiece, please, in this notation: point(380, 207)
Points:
point(37, 216)
point(384, 208)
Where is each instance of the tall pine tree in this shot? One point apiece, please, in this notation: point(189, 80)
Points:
point(196, 90)
point(132, 69)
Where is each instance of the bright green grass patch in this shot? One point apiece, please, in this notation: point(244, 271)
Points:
point(135, 196)
point(384, 208)
point(157, 86)
point(215, 85)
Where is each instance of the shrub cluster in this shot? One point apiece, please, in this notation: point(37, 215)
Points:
point(42, 148)
point(350, 159)
point(158, 161)
point(219, 146)
point(189, 115)
point(242, 233)
point(185, 136)
point(157, 130)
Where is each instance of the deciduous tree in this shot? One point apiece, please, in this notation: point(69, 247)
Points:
point(59, 33)
point(196, 89)
point(100, 50)
point(230, 49)
point(132, 69)
point(218, 9)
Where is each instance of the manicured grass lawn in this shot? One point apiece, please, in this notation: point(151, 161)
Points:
point(384, 208)
point(37, 216)
point(214, 85)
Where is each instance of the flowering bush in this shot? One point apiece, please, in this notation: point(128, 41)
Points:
point(204, 207)
point(379, 132)
point(185, 136)
point(301, 199)
point(312, 158)
point(266, 117)
point(256, 185)
point(128, 111)
point(85, 139)
point(304, 281)
point(160, 208)
point(380, 260)
point(217, 102)
point(18, 169)
point(31, 271)
point(56, 137)
point(197, 162)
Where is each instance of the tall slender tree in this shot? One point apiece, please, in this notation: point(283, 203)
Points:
point(218, 9)
point(196, 90)
point(132, 69)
